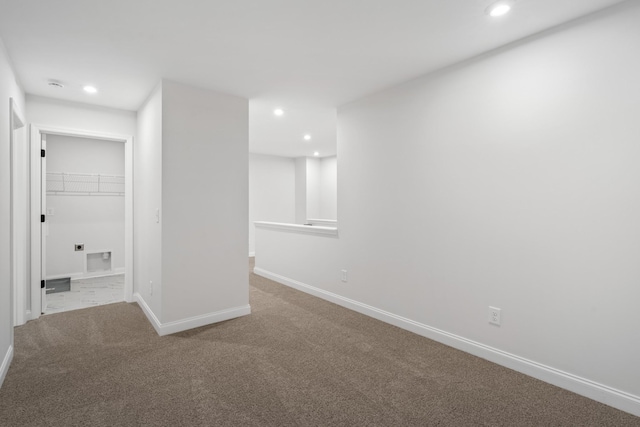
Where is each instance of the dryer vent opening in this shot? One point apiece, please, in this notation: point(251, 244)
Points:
point(98, 262)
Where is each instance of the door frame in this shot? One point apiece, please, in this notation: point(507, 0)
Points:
point(18, 290)
point(35, 137)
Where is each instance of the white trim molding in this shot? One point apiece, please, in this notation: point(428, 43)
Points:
point(19, 223)
point(79, 276)
point(323, 222)
point(148, 312)
point(252, 254)
point(582, 386)
point(298, 228)
point(192, 322)
point(6, 362)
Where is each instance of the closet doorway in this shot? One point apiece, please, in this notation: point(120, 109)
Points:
point(81, 219)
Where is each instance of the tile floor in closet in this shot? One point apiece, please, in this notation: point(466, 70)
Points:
point(87, 293)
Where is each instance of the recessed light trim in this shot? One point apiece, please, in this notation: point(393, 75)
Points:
point(278, 112)
point(307, 137)
point(498, 9)
point(90, 89)
point(316, 154)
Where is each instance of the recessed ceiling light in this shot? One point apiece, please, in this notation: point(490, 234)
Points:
point(307, 137)
point(90, 89)
point(315, 153)
point(498, 9)
point(278, 112)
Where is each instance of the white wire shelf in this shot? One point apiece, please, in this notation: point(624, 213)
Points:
point(83, 184)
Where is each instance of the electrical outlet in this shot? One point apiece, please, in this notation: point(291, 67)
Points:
point(494, 315)
point(79, 247)
point(343, 275)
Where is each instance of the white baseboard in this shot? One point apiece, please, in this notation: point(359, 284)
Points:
point(591, 389)
point(6, 362)
point(191, 322)
point(148, 312)
point(72, 276)
point(252, 254)
point(77, 276)
point(203, 320)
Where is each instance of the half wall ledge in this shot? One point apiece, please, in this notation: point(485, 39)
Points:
point(298, 228)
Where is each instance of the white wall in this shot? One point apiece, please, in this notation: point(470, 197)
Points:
point(328, 191)
point(147, 180)
point(9, 88)
point(313, 188)
point(301, 190)
point(57, 113)
point(191, 210)
point(205, 208)
point(271, 191)
point(510, 180)
point(97, 221)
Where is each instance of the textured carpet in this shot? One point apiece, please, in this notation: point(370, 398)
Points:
point(296, 360)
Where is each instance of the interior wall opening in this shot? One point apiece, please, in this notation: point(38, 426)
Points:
point(78, 184)
point(85, 223)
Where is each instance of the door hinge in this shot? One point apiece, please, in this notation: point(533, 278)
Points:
point(42, 153)
point(42, 284)
point(42, 218)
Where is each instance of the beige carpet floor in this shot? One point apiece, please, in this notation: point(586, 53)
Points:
point(295, 361)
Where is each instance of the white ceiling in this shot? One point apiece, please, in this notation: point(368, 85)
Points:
point(305, 56)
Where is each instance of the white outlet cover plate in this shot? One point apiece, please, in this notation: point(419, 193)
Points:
point(343, 275)
point(495, 315)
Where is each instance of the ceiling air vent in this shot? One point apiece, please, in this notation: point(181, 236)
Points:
point(55, 84)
